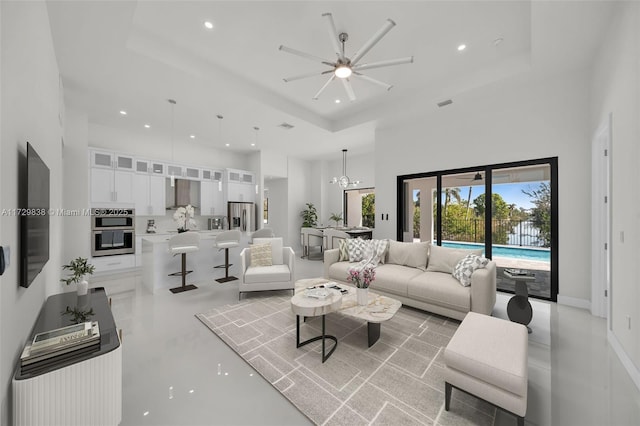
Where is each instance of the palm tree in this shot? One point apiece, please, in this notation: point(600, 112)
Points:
point(448, 193)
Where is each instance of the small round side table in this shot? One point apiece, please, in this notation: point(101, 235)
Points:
point(519, 308)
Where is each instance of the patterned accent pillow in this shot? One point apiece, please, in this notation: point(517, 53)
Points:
point(261, 255)
point(357, 248)
point(380, 248)
point(466, 267)
point(343, 250)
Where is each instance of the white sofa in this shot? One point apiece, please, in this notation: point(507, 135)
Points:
point(419, 275)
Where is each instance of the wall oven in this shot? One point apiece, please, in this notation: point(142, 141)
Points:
point(112, 232)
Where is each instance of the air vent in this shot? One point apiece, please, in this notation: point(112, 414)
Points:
point(286, 126)
point(445, 103)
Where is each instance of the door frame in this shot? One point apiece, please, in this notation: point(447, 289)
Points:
point(601, 220)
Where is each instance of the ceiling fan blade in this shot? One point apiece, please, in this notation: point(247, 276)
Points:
point(301, 76)
point(347, 87)
point(387, 63)
point(306, 55)
point(317, 95)
point(374, 81)
point(372, 41)
point(333, 35)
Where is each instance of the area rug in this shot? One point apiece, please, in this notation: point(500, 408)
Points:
point(397, 381)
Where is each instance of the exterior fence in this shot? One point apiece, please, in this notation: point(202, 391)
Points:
point(504, 231)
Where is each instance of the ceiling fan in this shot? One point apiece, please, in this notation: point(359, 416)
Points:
point(343, 67)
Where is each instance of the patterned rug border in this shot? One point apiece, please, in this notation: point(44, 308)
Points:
point(403, 384)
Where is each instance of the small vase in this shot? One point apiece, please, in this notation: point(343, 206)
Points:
point(362, 295)
point(82, 288)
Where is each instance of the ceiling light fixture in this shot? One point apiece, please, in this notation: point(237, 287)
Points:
point(462, 47)
point(344, 181)
point(256, 129)
point(208, 25)
point(343, 71)
point(147, 126)
point(338, 101)
point(172, 102)
point(226, 144)
point(123, 112)
point(192, 136)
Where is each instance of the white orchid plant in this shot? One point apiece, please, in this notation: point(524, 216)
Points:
point(184, 218)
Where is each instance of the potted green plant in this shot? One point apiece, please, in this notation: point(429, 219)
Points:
point(309, 216)
point(336, 217)
point(79, 268)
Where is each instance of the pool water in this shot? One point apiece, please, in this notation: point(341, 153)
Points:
point(541, 255)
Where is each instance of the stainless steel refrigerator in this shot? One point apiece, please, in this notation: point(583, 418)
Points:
point(242, 216)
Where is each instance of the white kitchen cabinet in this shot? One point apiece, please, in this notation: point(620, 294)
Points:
point(149, 193)
point(124, 162)
point(192, 173)
point(138, 251)
point(110, 263)
point(211, 199)
point(102, 159)
point(111, 187)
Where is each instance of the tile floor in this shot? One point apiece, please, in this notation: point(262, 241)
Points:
point(176, 372)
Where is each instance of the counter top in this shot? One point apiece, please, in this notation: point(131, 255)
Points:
point(168, 233)
point(163, 238)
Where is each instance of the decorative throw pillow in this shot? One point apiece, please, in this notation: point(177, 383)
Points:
point(466, 266)
point(357, 248)
point(276, 248)
point(414, 255)
point(444, 259)
point(261, 255)
point(380, 248)
point(343, 250)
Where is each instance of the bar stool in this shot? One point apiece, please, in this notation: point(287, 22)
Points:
point(226, 240)
point(186, 242)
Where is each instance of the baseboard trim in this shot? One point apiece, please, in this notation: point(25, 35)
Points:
point(575, 302)
point(628, 365)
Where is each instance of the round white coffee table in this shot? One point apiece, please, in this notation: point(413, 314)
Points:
point(304, 306)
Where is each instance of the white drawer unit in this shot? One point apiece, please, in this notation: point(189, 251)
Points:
point(111, 263)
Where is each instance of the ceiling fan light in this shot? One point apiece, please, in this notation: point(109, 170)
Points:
point(343, 71)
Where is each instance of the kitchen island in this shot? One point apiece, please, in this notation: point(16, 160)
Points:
point(158, 263)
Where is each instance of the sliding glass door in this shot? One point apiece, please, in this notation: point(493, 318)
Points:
point(517, 228)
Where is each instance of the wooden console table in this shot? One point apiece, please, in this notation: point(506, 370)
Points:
point(86, 390)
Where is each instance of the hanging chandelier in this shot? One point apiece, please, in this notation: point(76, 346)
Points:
point(344, 181)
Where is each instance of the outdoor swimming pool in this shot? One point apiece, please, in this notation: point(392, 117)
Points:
point(540, 255)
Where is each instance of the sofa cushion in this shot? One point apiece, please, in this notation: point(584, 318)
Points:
point(358, 248)
point(440, 289)
point(340, 271)
point(444, 259)
point(277, 257)
point(261, 255)
point(393, 278)
point(414, 255)
point(267, 274)
point(466, 267)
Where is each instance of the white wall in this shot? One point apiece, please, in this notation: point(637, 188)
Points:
point(518, 119)
point(77, 241)
point(298, 193)
point(616, 89)
point(278, 208)
point(149, 145)
point(30, 108)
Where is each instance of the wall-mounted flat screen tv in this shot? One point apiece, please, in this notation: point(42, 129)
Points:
point(34, 218)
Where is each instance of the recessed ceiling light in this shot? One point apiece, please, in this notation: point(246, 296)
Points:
point(192, 136)
point(253, 144)
point(123, 112)
point(208, 25)
point(147, 126)
point(337, 101)
point(226, 144)
point(462, 47)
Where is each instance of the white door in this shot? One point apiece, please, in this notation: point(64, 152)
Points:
point(101, 186)
point(157, 195)
point(123, 186)
point(141, 195)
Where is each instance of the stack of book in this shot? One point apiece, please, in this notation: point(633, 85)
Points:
point(60, 345)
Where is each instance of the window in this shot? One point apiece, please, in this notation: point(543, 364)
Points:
point(360, 207)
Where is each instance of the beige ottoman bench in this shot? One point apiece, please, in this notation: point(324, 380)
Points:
point(487, 358)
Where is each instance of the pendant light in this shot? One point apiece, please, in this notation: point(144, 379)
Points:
point(172, 102)
point(344, 181)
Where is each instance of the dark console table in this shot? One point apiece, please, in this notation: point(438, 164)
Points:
point(92, 382)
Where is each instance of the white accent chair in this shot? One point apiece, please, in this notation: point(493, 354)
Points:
point(262, 233)
point(186, 242)
point(333, 238)
point(224, 241)
point(279, 276)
